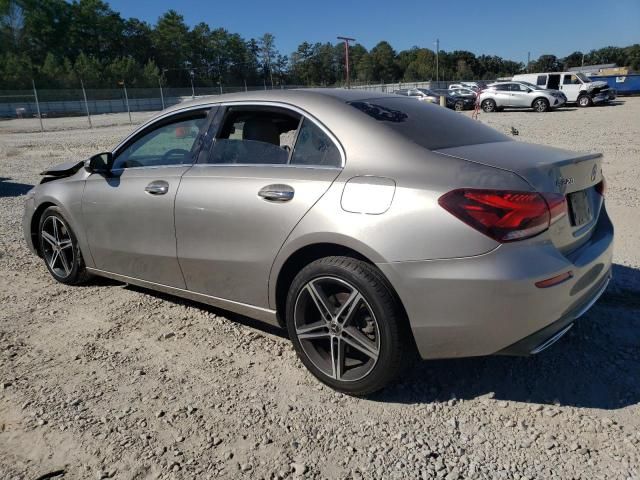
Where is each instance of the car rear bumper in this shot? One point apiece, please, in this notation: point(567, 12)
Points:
point(489, 303)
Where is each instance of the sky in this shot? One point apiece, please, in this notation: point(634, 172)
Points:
point(508, 28)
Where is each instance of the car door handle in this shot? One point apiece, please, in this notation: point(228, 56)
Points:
point(157, 187)
point(276, 193)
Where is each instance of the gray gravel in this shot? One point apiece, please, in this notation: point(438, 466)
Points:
point(110, 381)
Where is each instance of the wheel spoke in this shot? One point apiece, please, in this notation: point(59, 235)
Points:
point(348, 307)
point(337, 357)
point(359, 341)
point(54, 258)
point(313, 335)
point(56, 234)
point(311, 327)
point(320, 300)
point(50, 239)
point(65, 263)
point(66, 243)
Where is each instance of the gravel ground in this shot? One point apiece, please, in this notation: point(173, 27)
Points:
point(110, 381)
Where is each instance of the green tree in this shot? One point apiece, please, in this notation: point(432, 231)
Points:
point(384, 66)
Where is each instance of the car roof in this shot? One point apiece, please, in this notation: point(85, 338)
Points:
point(297, 97)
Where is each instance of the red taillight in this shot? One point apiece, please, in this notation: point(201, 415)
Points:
point(601, 187)
point(505, 215)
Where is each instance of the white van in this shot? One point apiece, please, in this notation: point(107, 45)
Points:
point(576, 86)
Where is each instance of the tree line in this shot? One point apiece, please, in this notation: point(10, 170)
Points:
point(60, 43)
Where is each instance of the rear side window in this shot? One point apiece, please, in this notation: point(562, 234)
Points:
point(541, 81)
point(255, 136)
point(314, 147)
point(430, 126)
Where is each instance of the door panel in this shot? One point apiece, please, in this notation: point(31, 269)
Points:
point(228, 233)
point(130, 225)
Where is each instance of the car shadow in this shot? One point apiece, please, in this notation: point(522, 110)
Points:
point(234, 317)
point(12, 189)
point(596, 365)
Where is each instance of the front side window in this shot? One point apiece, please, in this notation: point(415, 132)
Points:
point(314, 147)
point(255, 136)
point(171, 143)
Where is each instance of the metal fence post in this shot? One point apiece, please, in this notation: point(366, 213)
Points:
point(161, 94)
point(35, 94)
point(126, 99)
point(86, 105)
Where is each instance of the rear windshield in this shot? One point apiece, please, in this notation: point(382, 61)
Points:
point(430, 126)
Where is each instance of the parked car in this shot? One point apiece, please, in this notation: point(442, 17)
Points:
point(465, 92)
point(475, 86)
point(576, 86)
point(457, 101)
point(498, 96)
point(422, 94)
point(370, 226)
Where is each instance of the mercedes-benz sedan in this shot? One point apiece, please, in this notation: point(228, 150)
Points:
point(370, 226)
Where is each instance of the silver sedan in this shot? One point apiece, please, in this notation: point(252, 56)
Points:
point(372, 227)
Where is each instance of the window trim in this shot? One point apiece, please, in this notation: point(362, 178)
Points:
point(152, 124)
point(286, 106)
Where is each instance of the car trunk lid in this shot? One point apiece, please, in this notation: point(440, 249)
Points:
point(550, 170)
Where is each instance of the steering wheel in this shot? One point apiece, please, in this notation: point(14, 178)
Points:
point(174, 151)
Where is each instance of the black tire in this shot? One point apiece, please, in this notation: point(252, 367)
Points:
point(459, 106)
point(395, 347)
point(68, 267)
point(489, 106)
point(540, 105)
point(584, 101)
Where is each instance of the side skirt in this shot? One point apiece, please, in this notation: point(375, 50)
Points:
point(259, 313)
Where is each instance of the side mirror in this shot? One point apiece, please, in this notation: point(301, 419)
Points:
point(529, 90)
point(100, 163)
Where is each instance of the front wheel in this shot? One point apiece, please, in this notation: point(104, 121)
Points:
point(584, 101)
point(489, 105)
point(541, 105)
point(59, 248)
point(459, 106)
point(347, 326)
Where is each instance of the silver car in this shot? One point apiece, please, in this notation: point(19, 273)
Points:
point(371, 226)
point(498, 96)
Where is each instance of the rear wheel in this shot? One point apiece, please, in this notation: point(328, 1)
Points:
point(584, 101)
point(540, 105)
point(59, 248)
point(459, 106)
point(346, 325)
point(489, 105)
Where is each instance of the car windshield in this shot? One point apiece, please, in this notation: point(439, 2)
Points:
point(582, 77)
point(429, 126)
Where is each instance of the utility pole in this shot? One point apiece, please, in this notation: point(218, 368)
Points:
point(346, 57)
point(437, 60)
point(582, 60)
point(528, 60)
point(193, 91)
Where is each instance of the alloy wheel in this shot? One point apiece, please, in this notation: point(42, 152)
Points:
point(57, 246)
point(337, 329)
point(540, 105)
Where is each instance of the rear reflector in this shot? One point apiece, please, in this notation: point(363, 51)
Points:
point(550, 282)
point(505, 215)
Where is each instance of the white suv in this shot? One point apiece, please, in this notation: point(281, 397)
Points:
point(520, 95)
point(576, 86)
